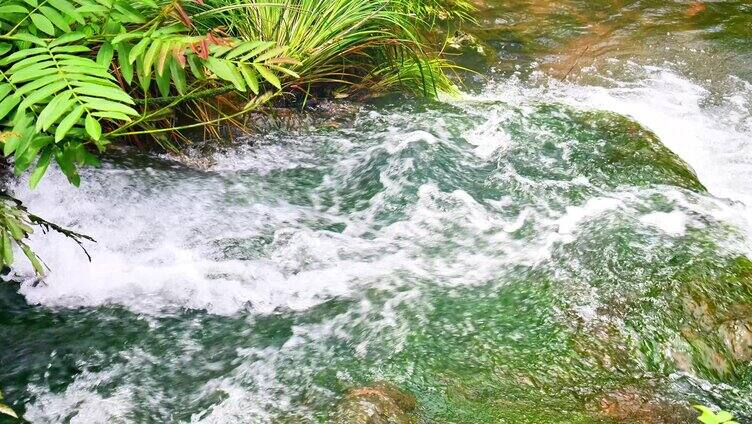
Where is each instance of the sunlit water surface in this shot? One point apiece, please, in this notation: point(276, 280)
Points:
point(535, 251)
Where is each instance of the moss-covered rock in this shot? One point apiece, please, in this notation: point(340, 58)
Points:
point(629, 153)
point(555, 142)
point(737, 335)
point(381, 403)
point(706, 328)
point(640, 406)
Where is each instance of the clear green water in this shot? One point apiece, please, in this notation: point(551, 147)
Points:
point(534, 252)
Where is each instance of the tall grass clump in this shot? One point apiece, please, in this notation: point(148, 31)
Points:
point(341, 44)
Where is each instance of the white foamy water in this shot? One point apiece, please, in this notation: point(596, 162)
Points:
point(711, 131)
point(163, 233)
point(163, 237)
point(674, 223)
point(292, 222)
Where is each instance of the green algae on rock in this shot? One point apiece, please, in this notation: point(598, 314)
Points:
point(381, 403)
point(715, 318)
point(609, 149)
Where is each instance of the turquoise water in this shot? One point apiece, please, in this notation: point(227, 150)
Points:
point(565, 243)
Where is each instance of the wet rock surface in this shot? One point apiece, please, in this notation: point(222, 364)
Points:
point(639, 406)
point(381, 403)
point(737, 334)
point(605, 142)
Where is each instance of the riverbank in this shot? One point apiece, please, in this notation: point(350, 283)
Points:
point(548, 248)
point(77, 77)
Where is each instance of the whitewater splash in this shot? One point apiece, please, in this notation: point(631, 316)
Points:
point(299, 263)
point(162, 227)
point(710, 129)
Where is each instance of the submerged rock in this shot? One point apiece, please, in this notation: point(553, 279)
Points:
point(737, 335)
point(381, 403)
point(638, 406)
point(624, 152)
point(719, 337)
point(716, 321)
point(559, 143)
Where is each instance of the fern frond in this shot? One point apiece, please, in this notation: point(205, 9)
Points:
point(66, 93)
point(243, 64)
point(50, 17)
point(164, 54)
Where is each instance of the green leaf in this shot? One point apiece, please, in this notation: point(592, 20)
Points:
point(64, 6)
point(32, 63)
point(5, 89)
point(56, 18)
point(178, 77)
point(5, 48)
point(67, 38)
point(126, 68)
point(284, 70)
point(32, 72)
point(138, 50)
point(268, 75)
point(67, 123)
point(112, 115)
point(127, 36)
point(224, 70)
point(270, 54)
point(15, 229)
point(163, 83)
point(8, 104)
point(96, 74)
point(71, 49)
point(54, 110)
point(22, 54)
point(92, 79)
point(82, 156)
point(128, 14)
point(165, 55)
point(64, 159)
point(105, 54)
point(7, 248)
point(97, 90)
point(149, 57)
point(724, 416)
point(20, 132)
point(13, 8)
point(196, 67)
point(38, 268)
point(29, 141)
point(37, 84)
point(42, 23)
point(23, 160)
point(108, 106)
point(27, 62)
point(144, 80)
point(92, 127)
point(41, 168)
point(89, 8)
point(250, 76)
point(245, 47)
point(255, 52)
point(41, 94)
point(24, 36)
point(707, 416)
point(23, 142)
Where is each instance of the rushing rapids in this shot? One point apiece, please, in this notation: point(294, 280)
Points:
point(568, 242)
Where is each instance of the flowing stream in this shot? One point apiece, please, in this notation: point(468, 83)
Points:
point(567, 242)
